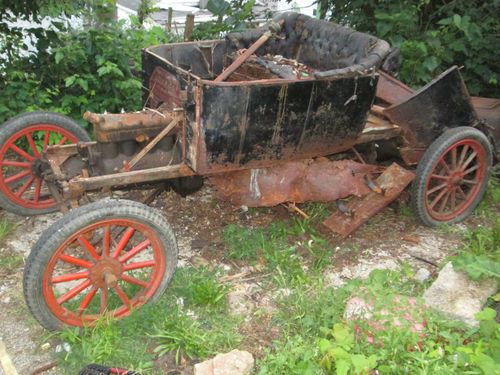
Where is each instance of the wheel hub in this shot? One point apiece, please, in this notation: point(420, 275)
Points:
point(38, 167)
point(106, 273)
point(455, 178)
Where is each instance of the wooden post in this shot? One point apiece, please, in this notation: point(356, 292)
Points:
point(169, 19)
point(188, 30)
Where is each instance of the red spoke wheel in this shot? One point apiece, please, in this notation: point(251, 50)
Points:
point(22, 140)
point(105, 258)
point(452, 177)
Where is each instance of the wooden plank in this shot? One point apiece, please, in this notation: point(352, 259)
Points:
point(392, 182)
point(128, 178)
point(6, 362)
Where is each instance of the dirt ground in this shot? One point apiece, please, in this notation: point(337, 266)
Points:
point(392, 237)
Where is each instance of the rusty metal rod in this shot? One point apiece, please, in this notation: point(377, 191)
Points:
point(128, 166)
point(245, 55)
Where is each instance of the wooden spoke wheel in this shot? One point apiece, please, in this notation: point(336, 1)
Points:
point(106, 258)
point(22, 141)
point(452, 177)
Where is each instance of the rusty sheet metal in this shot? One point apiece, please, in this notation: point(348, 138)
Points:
point(296, 181)
point(443, 103)
point(393, 181)
point(391, 90)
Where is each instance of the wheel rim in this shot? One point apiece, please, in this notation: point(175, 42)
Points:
point(455, 180)
point(107, 268)
point(20, 180)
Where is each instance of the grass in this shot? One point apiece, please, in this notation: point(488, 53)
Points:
point(317, 339)
point(5, 228)
point(189, 322)
point(9, 263)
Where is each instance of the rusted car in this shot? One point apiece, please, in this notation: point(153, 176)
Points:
point(275, 114)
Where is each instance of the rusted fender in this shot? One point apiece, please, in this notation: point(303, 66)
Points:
point(392, 182)
point(295, 181)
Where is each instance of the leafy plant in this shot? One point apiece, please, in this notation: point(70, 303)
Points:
point(480, 256)
point(182, 335)
point(5, 228)
point(76, 70)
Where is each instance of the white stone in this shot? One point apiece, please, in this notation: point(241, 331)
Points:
point(236, 362)
point(422, 275)
point(238, 300)
point(458, 297)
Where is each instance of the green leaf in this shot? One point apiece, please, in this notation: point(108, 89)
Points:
point(342, 334)
point(457, 20)
point(457, 45)
point(362, 364)
point(431, 63)
point(324, 345)
point(486, 314)
point(218, 7)
point(69, 81)
point(58, 56)
point(342, 367)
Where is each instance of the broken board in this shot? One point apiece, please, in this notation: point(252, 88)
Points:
point(392, 182)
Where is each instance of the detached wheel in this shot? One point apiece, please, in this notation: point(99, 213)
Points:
point(22, 140)
point(105, 258)
point(452, 177)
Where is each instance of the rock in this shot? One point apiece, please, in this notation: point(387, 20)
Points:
point(422, 275)
point(238, 300)
point(333, 279)
point(458, 297)
point(236, 362)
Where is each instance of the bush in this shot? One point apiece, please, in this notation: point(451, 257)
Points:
point(76, 70)
point(432, 36)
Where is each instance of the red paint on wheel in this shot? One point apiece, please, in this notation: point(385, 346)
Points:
point(102, 275)
point(455, 180)
point(18, 182)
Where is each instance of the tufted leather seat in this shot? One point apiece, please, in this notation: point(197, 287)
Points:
point(329, 48)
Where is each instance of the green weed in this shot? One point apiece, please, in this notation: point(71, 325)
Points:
point(316, 338)
point(194, 337)
point(5, 228)
point(480, 255)
point(200, 287)
point(182, 335)
point(198, 326)
point(243, 243)
point(9, 263)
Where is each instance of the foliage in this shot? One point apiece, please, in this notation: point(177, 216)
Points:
point(398, 331)
point(200, 288)
point(282, 247)
point(5, 227)
point(234, 15)
point(76, 70)
point(432, 36)
point(480, 256)
point(177, 322)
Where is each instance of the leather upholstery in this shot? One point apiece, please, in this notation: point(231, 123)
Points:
point(329, 48)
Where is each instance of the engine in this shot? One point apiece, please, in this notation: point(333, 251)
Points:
point(121, 136)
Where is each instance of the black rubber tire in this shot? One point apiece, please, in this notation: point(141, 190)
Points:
point(428, 163)
point(18, 123)
point(55, 235)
